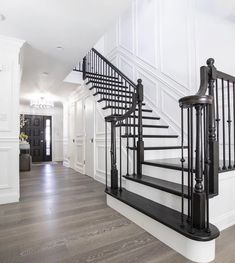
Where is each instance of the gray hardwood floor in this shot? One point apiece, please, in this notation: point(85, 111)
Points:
point(63, 217)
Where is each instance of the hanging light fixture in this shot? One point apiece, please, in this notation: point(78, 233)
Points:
point(42, 103)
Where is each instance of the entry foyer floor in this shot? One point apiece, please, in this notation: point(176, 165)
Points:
point(63, 217)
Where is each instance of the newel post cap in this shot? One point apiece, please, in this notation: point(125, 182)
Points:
point(210, 62)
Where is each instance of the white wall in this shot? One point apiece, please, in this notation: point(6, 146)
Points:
point(57, 127)
point(10, 76)
point(165, 42)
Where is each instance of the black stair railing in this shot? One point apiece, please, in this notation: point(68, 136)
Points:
point(207, 117)
point(124, 98)
point(198, 109)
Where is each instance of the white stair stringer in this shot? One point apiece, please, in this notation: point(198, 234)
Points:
point(197, 251)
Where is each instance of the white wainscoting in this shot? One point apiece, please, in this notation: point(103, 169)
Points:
point(10, 76)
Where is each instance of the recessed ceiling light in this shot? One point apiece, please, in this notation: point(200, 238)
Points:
point(59, 48)
point(2, 17)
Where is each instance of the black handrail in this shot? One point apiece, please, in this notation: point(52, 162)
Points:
point(115, 68)
point(123, 97)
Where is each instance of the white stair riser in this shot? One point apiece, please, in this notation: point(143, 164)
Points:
point(147, 130)
point(161, 197)
point(164, 174)
point(161, 154)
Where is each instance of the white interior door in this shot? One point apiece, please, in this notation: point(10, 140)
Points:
point(89, 136)
point(72, 136)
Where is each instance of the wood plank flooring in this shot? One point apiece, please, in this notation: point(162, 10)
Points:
point(63, 217)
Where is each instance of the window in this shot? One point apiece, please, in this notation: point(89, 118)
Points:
point(48, 137)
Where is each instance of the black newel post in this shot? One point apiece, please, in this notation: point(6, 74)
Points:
point(213, 144)
point(199, 196)
point(84, 68)
point(114, 171)
point(140, 142)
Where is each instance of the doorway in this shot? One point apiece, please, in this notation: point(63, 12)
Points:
point(89, 136)
point(39, 130)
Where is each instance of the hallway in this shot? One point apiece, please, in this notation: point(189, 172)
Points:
point(63, 217)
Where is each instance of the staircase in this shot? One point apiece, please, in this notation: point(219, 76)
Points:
point(189, 178)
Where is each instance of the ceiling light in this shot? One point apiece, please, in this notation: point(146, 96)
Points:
point(42, 103)
point(2, 17)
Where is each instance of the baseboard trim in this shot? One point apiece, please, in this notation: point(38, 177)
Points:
point(9, 198)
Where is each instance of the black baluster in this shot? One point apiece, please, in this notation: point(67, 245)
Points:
point(106, 157)
point(223, 119)
point(120, 146)
point(199, 197)
point(182, 167)
point(217, 110)
point(207, 164)
point(229, 128)
point(84, 68)
point(192, 172)
point(189, 161)
point(140, 142)
point(114, 171)
point(134, 144)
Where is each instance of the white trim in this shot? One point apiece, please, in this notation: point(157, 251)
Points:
point(194, 250)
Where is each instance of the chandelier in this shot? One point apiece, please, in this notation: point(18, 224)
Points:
point(42, 103)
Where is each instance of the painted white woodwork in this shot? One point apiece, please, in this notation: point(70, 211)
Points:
point(164, 43)
point(194, 250)
point(65, 135)
point(89, 136)
point(10, 77)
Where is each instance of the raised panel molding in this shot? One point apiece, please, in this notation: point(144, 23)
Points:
point(111, 39)
point(172, 112)
point(175, 65)
point(126, 67)
point(6, 102)
point(145, 31)
point(126, 30)
point(5, 157)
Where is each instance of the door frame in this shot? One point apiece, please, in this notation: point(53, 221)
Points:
point(45, 157)
point(85, 136)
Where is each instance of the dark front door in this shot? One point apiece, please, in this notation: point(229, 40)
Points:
point(38, 128)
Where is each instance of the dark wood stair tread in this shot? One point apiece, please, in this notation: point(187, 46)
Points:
point(144, 125)
point(112, 84)
point(144, 117)
point(92, 74)
point(101, 78)
point(112, 95)
point(169, 163)
point(151, 136)
point(122, 108)
point(118, 101)
point(123, 89)
point(110, 81)
point(159, 148)
point(165, 215)
point(160, 184)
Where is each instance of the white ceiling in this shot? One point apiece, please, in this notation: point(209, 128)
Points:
point(75, 25)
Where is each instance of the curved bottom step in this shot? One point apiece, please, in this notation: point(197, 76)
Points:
point(164, 223)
